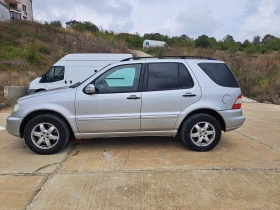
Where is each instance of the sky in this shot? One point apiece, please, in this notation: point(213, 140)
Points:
point(243, 19)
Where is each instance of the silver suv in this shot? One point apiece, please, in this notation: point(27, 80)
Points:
point(194, 97)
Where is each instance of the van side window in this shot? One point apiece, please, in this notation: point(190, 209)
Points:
point(168, 76)
point(56, 73)
point(119, 79)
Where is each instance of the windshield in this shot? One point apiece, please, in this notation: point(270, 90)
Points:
point(79, 83)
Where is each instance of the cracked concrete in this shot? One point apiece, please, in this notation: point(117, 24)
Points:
point(242, 172)
point(108, 157)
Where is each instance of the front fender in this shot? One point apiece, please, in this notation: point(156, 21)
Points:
point(61, 102)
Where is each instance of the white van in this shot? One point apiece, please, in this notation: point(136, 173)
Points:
point(154, 43)
point(73, 68)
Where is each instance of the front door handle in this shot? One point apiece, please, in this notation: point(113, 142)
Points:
point(133, 97)
point(189, 95)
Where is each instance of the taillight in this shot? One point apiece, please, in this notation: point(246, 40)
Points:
point(238, 103)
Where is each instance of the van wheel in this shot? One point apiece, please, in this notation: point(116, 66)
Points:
point(46, 134)
point(201, 132)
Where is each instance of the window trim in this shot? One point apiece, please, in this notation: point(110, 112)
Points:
point(145, 85)
point(140, 84)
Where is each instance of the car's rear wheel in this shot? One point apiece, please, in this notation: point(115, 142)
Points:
point(201, 132)
point(46, 134)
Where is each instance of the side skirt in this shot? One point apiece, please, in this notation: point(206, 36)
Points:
point(171, 133)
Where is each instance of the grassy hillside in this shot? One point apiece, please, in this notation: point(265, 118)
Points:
point(28, 49)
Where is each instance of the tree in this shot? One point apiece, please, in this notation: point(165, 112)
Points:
point(89, 26)
point(246, 43)
point(273, 44)
point(213, 42)
point(267, 38)
point(257, 40)
point(228, 38)
point(202, 41)
point(185, 37)
point(56, 23)
point(80, 27)
point(229, 44)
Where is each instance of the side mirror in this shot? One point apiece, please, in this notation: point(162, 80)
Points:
point(90, 89)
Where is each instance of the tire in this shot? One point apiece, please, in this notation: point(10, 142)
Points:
point(201, 132)
point(49, 138)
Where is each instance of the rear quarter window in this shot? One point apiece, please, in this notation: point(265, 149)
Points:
point(220, 74)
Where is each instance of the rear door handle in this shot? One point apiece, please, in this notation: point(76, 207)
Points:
point(133, 97)
point(189, 95)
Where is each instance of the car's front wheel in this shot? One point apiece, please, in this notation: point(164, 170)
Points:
point(201, 132)
point(46, 134)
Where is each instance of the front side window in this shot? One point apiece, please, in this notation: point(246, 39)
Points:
point(168, 76)
point(119, 79)
point(55, 74)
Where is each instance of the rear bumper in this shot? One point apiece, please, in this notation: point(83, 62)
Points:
point(13, 125)
point(233, 118)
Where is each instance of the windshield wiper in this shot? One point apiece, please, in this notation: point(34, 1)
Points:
point(75, 85)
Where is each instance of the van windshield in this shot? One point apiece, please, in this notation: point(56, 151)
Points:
point(79, 83)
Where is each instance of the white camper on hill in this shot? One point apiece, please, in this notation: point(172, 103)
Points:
point(154, 43)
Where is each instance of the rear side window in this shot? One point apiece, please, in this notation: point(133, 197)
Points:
point(168, 76)
point(220, 74)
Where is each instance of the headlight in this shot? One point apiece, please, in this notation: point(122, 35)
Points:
point(16, 108)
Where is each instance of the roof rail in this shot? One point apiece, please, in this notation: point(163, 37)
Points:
point(177, 56)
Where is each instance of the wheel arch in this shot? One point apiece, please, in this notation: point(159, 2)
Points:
point(36, 113)
point(39, 90)
point(210, 112)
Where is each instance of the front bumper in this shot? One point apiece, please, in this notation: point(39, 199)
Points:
point(233, 119)
point(13, 125)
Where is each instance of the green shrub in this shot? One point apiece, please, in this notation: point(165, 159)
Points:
point(202, 41)
point(252, 49)
point(44, 50)
point(31, 52)
point(56, 23)
point(43, 37)
point(89, 26)
point(9, 52)
point(14, 31)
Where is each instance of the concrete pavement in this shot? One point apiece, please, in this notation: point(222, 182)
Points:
point(242, 172)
